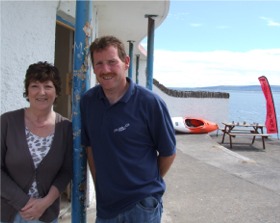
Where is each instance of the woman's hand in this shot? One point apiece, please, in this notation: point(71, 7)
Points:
point(34, 209)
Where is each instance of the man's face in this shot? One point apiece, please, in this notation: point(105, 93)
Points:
point(109, 69)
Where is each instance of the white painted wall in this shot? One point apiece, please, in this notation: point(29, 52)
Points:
point(67, 10)
point(212, 109)
point(27, 36)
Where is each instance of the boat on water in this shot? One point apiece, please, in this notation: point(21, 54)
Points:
point(193, 125)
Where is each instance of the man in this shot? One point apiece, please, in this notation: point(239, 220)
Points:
point(129, 139)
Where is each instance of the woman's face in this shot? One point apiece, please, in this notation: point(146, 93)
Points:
point(41, 95)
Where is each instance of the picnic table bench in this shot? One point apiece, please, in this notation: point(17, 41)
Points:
point(244, 129)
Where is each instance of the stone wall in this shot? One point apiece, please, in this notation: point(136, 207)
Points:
point(189, 94)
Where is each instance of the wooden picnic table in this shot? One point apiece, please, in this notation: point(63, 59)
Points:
point(233, 129)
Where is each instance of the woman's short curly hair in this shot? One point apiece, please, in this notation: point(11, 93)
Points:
point(42, 71)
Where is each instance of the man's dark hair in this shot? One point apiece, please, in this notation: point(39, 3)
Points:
point(106, 41)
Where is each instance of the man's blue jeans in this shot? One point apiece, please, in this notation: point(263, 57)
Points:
point(148, 210)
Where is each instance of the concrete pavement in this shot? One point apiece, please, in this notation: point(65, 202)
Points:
point(210, 183)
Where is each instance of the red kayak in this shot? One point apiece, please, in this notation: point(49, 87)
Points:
point(193, 125)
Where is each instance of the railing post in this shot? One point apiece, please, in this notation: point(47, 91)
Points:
point(150, 51)
point(137, 68)
point(81, 80)
point(131, 58)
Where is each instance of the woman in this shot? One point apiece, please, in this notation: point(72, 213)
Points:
point(36, 151)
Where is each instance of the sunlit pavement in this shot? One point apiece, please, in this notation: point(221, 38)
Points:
point(210, 183)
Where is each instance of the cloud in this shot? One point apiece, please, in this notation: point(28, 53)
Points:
point(270, 22)
point(198, 69)
point(195, 24)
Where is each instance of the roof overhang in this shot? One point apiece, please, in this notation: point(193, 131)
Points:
point(128, 19)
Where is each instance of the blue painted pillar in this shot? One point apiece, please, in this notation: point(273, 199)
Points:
point(131, 58)
point(81, 83)
point(137, 68)
point(150, 51)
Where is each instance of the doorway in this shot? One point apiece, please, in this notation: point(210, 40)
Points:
point(64, 41)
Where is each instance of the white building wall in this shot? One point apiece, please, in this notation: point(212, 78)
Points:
point(27, 36)
point(142, 71)
point(212, 109)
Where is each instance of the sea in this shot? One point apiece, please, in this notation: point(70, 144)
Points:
point(250, 106)
point(247, 103)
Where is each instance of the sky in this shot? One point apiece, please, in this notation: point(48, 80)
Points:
point(210, 43)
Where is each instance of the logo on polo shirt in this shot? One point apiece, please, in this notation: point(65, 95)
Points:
point(122, 128)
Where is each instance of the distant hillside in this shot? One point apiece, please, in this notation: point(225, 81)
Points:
point(226, 88)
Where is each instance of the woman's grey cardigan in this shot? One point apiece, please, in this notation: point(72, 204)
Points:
point(17, 167)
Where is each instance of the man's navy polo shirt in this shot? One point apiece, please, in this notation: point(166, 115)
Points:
point(126, 139)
